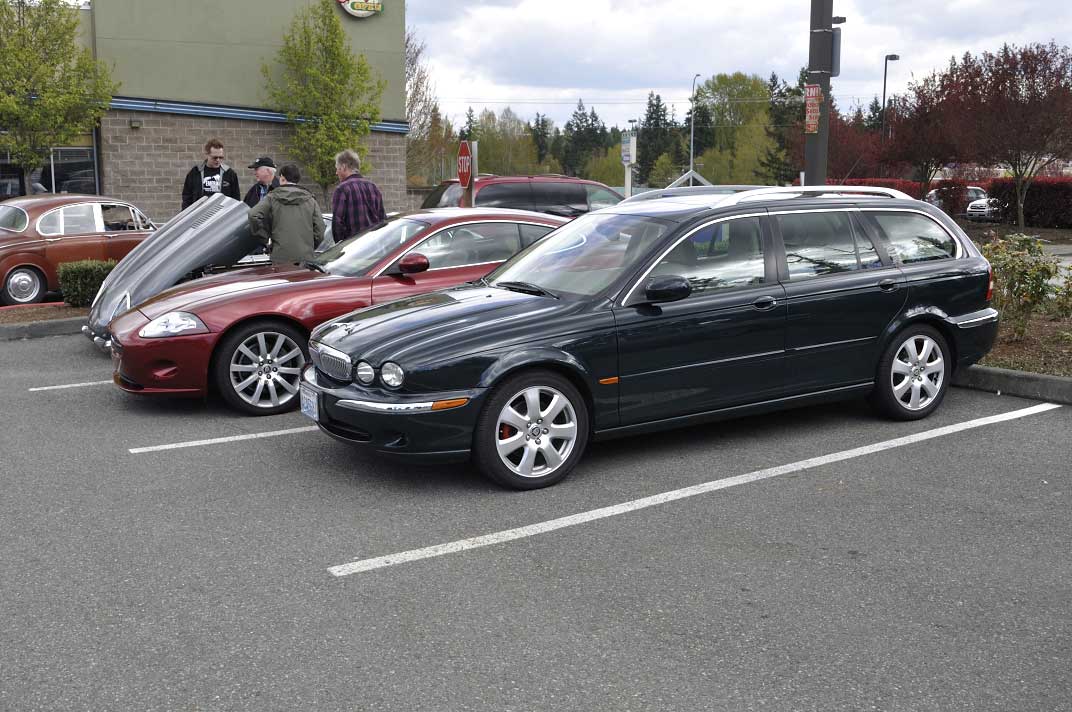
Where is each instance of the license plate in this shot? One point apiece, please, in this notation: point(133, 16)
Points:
point(310, 404)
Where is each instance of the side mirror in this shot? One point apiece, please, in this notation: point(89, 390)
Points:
point(667, 288)
point(413, 263)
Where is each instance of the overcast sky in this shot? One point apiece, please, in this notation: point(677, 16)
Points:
point(539, 55)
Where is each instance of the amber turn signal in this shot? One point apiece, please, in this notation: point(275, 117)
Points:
point(448, 404)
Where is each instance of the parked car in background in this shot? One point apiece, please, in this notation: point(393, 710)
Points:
point(654, 315)
point(554, 194)
point(689, 191)
point(973, 193)
point(244, 333)
point(985, 209)
point(39, 233)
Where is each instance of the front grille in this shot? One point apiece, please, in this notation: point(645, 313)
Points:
point(332, 363)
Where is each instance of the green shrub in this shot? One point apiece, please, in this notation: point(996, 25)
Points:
point(1022, 274)
point(1062, 298)
point(80, 281)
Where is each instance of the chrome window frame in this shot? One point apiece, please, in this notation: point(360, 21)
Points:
point(625, 302)
point(474, 264)
point(98, 219)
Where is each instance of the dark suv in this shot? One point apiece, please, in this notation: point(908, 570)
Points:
point(558, 195)
point(659, 314)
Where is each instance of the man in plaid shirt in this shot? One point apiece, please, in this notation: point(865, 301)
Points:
point(357, 203)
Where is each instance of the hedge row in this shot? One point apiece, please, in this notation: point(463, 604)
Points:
point(1048, 202)
point(80, 281)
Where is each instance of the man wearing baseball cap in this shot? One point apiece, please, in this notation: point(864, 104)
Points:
point(264, 171)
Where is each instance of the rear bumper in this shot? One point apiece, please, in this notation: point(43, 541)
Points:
point(354, 415)
point(975, 334)
point(173, 366)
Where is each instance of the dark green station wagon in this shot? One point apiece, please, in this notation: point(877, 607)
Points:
point(659, 314)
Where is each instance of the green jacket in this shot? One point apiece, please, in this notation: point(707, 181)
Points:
point(289, 222)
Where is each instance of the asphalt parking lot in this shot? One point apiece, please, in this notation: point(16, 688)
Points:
point(933, 574)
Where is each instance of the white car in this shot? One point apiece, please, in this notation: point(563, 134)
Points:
point(984, 209)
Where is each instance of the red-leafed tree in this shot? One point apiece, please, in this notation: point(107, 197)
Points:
point(853, 149)
point(923, 127)
point(1016, 108)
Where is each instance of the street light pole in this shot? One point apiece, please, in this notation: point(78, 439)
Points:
point(885, 67)
point(692, 127)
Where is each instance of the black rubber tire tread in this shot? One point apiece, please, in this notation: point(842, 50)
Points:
point(5, 297)
point(221, 363)
point(485, 454)
point(882, 398)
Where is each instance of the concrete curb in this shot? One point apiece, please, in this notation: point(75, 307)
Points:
point(37, 329)
point(1055, 389)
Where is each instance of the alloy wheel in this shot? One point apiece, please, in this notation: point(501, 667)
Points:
point(536, 431)
point(265, 369)
point(917, 373)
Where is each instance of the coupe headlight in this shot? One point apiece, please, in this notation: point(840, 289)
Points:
point(392, 374)
point(365, 374)
point(172, 324)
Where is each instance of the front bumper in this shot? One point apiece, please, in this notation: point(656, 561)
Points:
point(397, 425)
point(172, 366)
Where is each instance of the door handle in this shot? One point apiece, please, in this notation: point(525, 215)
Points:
point(765, 303)
point(887, 285)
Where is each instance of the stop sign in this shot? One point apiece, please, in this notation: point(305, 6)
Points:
point(465, 164)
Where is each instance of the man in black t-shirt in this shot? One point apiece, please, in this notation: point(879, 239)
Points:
point(211, 176)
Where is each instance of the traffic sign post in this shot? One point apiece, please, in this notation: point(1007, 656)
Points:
point(628, 159)
point(467, 170)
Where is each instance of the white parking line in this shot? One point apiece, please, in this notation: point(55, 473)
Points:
point(69, 385)
point(216, 441)
point(575, 519)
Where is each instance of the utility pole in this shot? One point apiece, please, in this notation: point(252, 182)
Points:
point(820, 66)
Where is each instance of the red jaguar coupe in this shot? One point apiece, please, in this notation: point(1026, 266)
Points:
point(245, 333)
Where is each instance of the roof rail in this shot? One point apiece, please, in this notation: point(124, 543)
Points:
point(797, 191)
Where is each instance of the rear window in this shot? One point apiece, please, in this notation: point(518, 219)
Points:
point(445, 195)
point(505, 195)
point(13, 219)
point(915, 238)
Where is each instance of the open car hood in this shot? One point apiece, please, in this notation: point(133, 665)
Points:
point(212, 231)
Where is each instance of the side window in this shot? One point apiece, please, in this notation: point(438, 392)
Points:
point(820, 243)
point(719, 256)
point(600, 197)
point(471, 245)
point(79, 219)
point(117, 218)
point(505, 195)
point(532, 233)
point(51, 224)
point(915, 238)
point(559, 198)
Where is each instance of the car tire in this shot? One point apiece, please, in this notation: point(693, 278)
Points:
point(913, 374)
point(23, 285)
point(256, 369)
point(506, 445)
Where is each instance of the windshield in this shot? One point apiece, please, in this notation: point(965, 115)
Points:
point(12, 218)
point(354, 257)
point(584, 257)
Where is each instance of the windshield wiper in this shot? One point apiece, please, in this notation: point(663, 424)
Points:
point(313, 266)
point(527, 288)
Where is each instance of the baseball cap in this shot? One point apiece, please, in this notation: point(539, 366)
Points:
point(263, 161)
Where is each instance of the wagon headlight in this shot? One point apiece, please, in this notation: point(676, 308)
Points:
point(364, 372)
point(392, 374)
point(173, 324)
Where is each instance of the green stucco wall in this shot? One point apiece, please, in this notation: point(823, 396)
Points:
point(211, 51)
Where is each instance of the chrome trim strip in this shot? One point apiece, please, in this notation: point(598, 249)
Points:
point(706, 363)
point(830, 343)
point(389, 408)
point(474, 222)
point(987, 319)
point(629, 294)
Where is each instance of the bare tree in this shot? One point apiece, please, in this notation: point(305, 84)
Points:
point(420, 104)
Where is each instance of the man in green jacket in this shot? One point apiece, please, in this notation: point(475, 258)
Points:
point(288, 220)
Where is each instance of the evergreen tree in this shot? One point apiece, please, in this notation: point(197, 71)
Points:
point(785, 127)
point(540, 130)
point(585, 135)
point(471, 129)
point(873, 121)
point(654, 137)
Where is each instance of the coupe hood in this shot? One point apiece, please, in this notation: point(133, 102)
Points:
point(441, 324)
point(212, 231)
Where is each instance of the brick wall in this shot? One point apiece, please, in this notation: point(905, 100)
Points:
point(147, 165)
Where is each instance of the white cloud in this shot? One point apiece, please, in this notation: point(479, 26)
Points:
point(536, 55)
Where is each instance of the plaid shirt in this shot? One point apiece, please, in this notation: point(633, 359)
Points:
point(356, 205)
